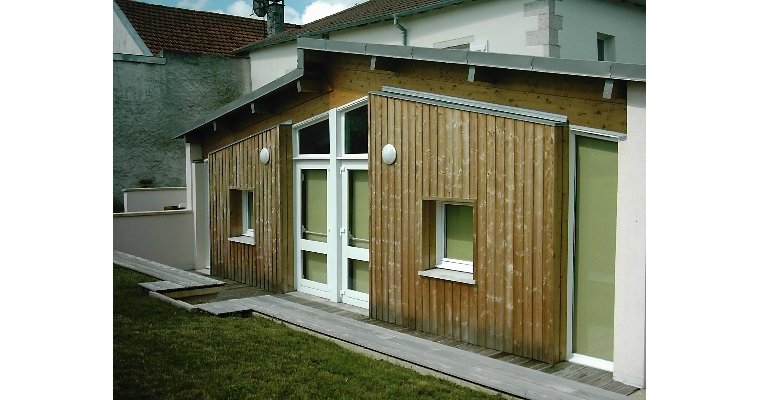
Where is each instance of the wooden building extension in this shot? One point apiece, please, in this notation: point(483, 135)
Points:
point(457, 143)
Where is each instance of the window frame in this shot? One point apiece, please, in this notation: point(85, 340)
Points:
point(441, 261)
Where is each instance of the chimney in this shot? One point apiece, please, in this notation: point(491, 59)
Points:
point(275, 17)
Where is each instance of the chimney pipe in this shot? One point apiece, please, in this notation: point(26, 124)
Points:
point(275, 18)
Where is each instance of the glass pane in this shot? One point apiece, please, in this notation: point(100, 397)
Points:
point(356, 131)
point(314, 139)
point(458, 232)
point(358, 275)
point(314, 203)
point(596, 212)
point(250, 210)
point(358, 209)
point(315, 267)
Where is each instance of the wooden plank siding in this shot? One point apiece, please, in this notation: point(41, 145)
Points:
point(268, 264)
point(515, 182)
point(514, 172)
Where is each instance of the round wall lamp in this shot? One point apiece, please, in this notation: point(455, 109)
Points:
point(264, 156)
point(389, 154)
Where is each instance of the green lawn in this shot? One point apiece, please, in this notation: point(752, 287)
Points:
point(163, 352)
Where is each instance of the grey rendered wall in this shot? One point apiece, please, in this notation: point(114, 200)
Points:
point(152, 101)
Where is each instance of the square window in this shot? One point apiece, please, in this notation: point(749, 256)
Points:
point(454, 236)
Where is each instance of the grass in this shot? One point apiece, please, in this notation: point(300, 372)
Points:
point(163, 352)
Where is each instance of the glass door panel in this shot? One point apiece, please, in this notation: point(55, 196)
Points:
point(594, 269)
point(314, 205)
point(355, 249)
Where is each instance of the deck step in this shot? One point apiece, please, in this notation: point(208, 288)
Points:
point(175, 283)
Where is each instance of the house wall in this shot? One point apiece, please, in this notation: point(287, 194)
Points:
point(153, 199)
point(630, 257)
point(152, 101)
point(512, 172)
point(509, 26)
point(626, 22)
point(267, 264)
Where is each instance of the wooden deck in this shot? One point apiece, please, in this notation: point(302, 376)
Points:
point(175, 282)
point(451, 359)
point(324, 317)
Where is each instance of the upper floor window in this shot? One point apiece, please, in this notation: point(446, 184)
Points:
point(343, 130)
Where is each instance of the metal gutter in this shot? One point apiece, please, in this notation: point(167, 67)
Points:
point(270, 87)
point(351, 24)
point(522, 114)
point(597, 69)
point(598, 133)
point(139, 59)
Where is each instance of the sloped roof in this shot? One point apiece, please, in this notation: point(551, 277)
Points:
point(201, 32)
point(360, 14)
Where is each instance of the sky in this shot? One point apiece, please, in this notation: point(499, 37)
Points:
point(296, 11)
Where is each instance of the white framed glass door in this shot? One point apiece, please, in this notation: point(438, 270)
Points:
point(312, 246)
point(355, 233)
point(332, 204)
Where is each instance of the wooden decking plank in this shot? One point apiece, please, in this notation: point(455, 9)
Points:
point(448, 360)
point(168, 273)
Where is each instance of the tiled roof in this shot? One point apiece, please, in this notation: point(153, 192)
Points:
point(367, 12)
point(202, 32)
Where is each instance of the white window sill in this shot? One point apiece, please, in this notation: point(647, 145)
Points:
point(448, 275)
point(243, 239)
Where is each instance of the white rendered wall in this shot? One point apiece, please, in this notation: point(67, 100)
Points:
point(272, 62)
point(501, 23)
point(123, 43)
point(162, 236)
point(153, 199)
point(582, 19)
point(630, 258)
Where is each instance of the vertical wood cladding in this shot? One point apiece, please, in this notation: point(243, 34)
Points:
point(512, 171)
point(269, 263)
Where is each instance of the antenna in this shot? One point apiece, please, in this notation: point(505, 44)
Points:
point(260, 7)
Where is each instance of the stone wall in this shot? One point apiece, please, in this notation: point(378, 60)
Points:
point(152, 101)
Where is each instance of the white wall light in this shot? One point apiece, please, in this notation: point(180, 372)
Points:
point(264, 156)
point(389, 154)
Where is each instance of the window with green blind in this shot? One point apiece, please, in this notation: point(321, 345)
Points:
point(454, 241)
point(594, 266)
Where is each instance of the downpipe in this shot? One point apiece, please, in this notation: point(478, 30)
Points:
point(403, 30)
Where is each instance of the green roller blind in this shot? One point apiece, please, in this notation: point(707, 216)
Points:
point(314, 203)
point(315, 267)
point(458, 232)
point(358, 208)
point(595, 218)
point(250, 210)
point(358, 275)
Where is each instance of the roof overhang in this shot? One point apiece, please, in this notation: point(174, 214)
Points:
point(477, 61)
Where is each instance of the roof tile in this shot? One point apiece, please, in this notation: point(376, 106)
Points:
point(202, 32)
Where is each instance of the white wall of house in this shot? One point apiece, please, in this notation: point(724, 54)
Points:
point(583, 19)
point(630, 257)
point(502, 23)
point(272, 62)
point(123, 42)
point(162, 236)
point(153, 199)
